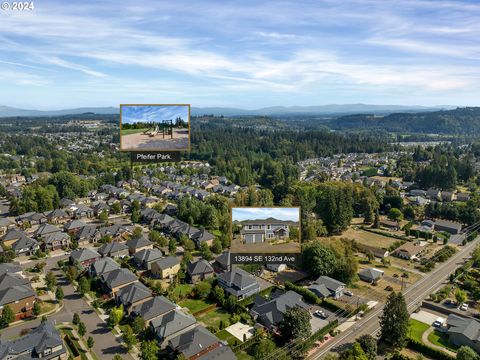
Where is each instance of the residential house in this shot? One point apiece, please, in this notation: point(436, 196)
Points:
point(74, 226)
point(17, 292)
point(32, 218)
point(203, 236)
point(255, 231)
point(326, 286)
point(57, 216)
point(170, 325)
point(42, 342)
point(193, 344)
point(145, 258)
point(12, 236)
point(238, 283)
point(165, 267)
point(199, 270)
point(87, 234)
point(55, 241)
point(113, 250)
point(447, 196)
point(25, 246)
point(84, 257)
point(114, 280)
point(5, 225)
point(370, 275)
point(153, 308)
point(103, 266)
point(390, 224)
point(451, 227)
point(463, 197)
point(269, 312)
point(221, 352)
point(377, 252)
point(434, 194)
point(464, 331)
point(132, 295)
point(138, 244)
point(82, 211)
point(45, 229)
point(408, 251)
point(222, 262)
point(12, 268)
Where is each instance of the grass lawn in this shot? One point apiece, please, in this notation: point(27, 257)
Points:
point(225, 335)
point(132, 131)
point(416, 329)
point(441, 339)
point(75, 342)
point(213, 318)
point(47, 306)
point(194, 305)
point(242, 355)
point(183, 290)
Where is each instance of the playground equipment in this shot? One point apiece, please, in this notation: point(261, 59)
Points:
point(166, 129)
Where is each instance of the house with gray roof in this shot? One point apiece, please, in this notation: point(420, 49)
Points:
point(238, 283)
point(132, 295)
point(17, 292)
point(12, 236)
point(12, 268)
point(45, 229)
point(84, 257)
point(371, 275)
point(222, 262)
point(114, 280)
point(165, 267)
point(334, 287)
point(42, 342)
point(451, 227)
point(5, 225)
point(113, 250)
point(153, 308)
point(25, 246)
point(199, 270)
point(270, 312)
point(87, 234)
point(193, 342)
point(170, 325)
point(55, 241)
point(137, 244)
point(463, 331)
point(57, 216)
point(221, 352)
point(261, 230)
point(73, 226)
point(103, 266)
point(202, 236)
point(146, 257)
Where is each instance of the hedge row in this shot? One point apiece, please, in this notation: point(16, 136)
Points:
point(428, 351)
point(385, 233)
point(308, 295)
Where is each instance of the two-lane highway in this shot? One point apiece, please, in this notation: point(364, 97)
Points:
point(414, 295)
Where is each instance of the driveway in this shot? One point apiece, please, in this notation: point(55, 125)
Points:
point(426, 317)
point(106, 344)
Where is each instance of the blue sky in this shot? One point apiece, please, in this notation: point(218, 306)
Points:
point(132, 114)
point(240, 214)
point(245, 53)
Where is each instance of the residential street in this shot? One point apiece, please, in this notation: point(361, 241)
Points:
point(106, 344)
point(413, 295)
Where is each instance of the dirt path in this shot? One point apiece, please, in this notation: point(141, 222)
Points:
point(427, 342)
point(141, 141)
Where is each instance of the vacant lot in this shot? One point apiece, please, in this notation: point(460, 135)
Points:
point(194, 305)
point(265, 248)
point(141, 141)
point(368, 238)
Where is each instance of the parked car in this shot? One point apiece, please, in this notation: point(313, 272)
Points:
point(464, 307)
point(438, 323)
point(320, 314)
point(348, 293)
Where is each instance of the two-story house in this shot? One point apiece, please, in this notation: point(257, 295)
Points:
point(257, 231)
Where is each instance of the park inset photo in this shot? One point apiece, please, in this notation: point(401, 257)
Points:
point(265, 230)
point(154, 127)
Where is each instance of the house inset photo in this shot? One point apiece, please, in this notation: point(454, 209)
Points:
point(266, 230)
point(154, 127)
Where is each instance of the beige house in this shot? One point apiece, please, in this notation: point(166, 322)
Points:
point(166, 267)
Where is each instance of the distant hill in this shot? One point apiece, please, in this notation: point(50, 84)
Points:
point(6, 111)
point(460, 121)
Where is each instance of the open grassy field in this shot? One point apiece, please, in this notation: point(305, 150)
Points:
point(183, 290)
point(194, 305)
point(214, 317)
point(368, 238)
point(132, 131)
point(416, 329)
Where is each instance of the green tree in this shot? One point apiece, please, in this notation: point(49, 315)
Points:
point(76, 319)
point(172, 246)
point(217, 246)
point(202, 289)
point(467, 353)
point(82, 329)
point(394, 320)
point(395, 214)
point(265, 347)
point(219, 294)
point(205, 251)
point(103, 216)
point(138, 325)
point(7, 315)
point(354, 353)
point(36, 308)
point(149, 350)
point(115, 316)
point(50, 280)
point(83, 285)
point(460, 296)
point(90, 342)
point(369, 346)
point(117, 357)
point(129, 337)
point(59, 293)
point(295, 324)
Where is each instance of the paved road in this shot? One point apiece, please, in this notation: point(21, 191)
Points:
point(414, 295)
point(106, 344)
